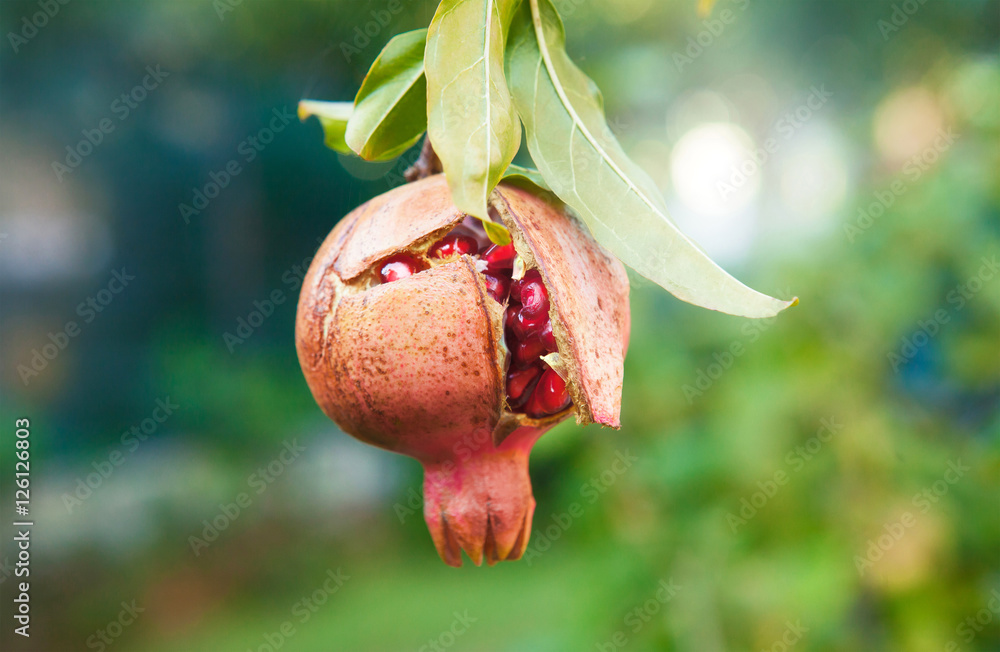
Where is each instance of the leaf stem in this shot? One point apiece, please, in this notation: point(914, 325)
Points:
point(426, 165)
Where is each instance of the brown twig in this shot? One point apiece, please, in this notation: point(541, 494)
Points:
point(427, 164)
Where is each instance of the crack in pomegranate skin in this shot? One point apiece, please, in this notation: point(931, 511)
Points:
point(526, 317)
point(414, 336)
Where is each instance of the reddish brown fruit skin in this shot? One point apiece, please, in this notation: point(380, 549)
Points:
point(418, 365)
point(384, 390)
point(492, 493)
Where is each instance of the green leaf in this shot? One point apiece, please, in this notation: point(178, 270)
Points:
point(524, 177)
point(390, 110)
point(579, 157)
point(333, 116)
point(497, 233)
point(470, 117)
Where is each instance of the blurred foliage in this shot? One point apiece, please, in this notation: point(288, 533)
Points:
point(673, 515)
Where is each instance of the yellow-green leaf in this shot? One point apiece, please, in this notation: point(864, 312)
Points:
point(390, 110)
point(470, 117)
point(333, 117)
point(530, 178)
point(575, 151)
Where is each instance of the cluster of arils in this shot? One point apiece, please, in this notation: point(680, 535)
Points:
point(533, 387)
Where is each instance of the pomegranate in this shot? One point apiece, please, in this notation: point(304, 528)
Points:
point(417, 335)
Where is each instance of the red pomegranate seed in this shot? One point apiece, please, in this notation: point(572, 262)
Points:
point(527, 351)
point(397, 267)
point(454, 245)
point(511, 316)
point(515, 290)
point(549, 397)
point(497, 286)
point(548, 338)
point(524, 326)
point(500, 257)
point(533, 295)
point(520, 383)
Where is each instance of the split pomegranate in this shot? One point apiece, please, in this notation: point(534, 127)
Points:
point(418, 335)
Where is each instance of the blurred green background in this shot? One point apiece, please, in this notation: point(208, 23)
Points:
point(824, 481)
